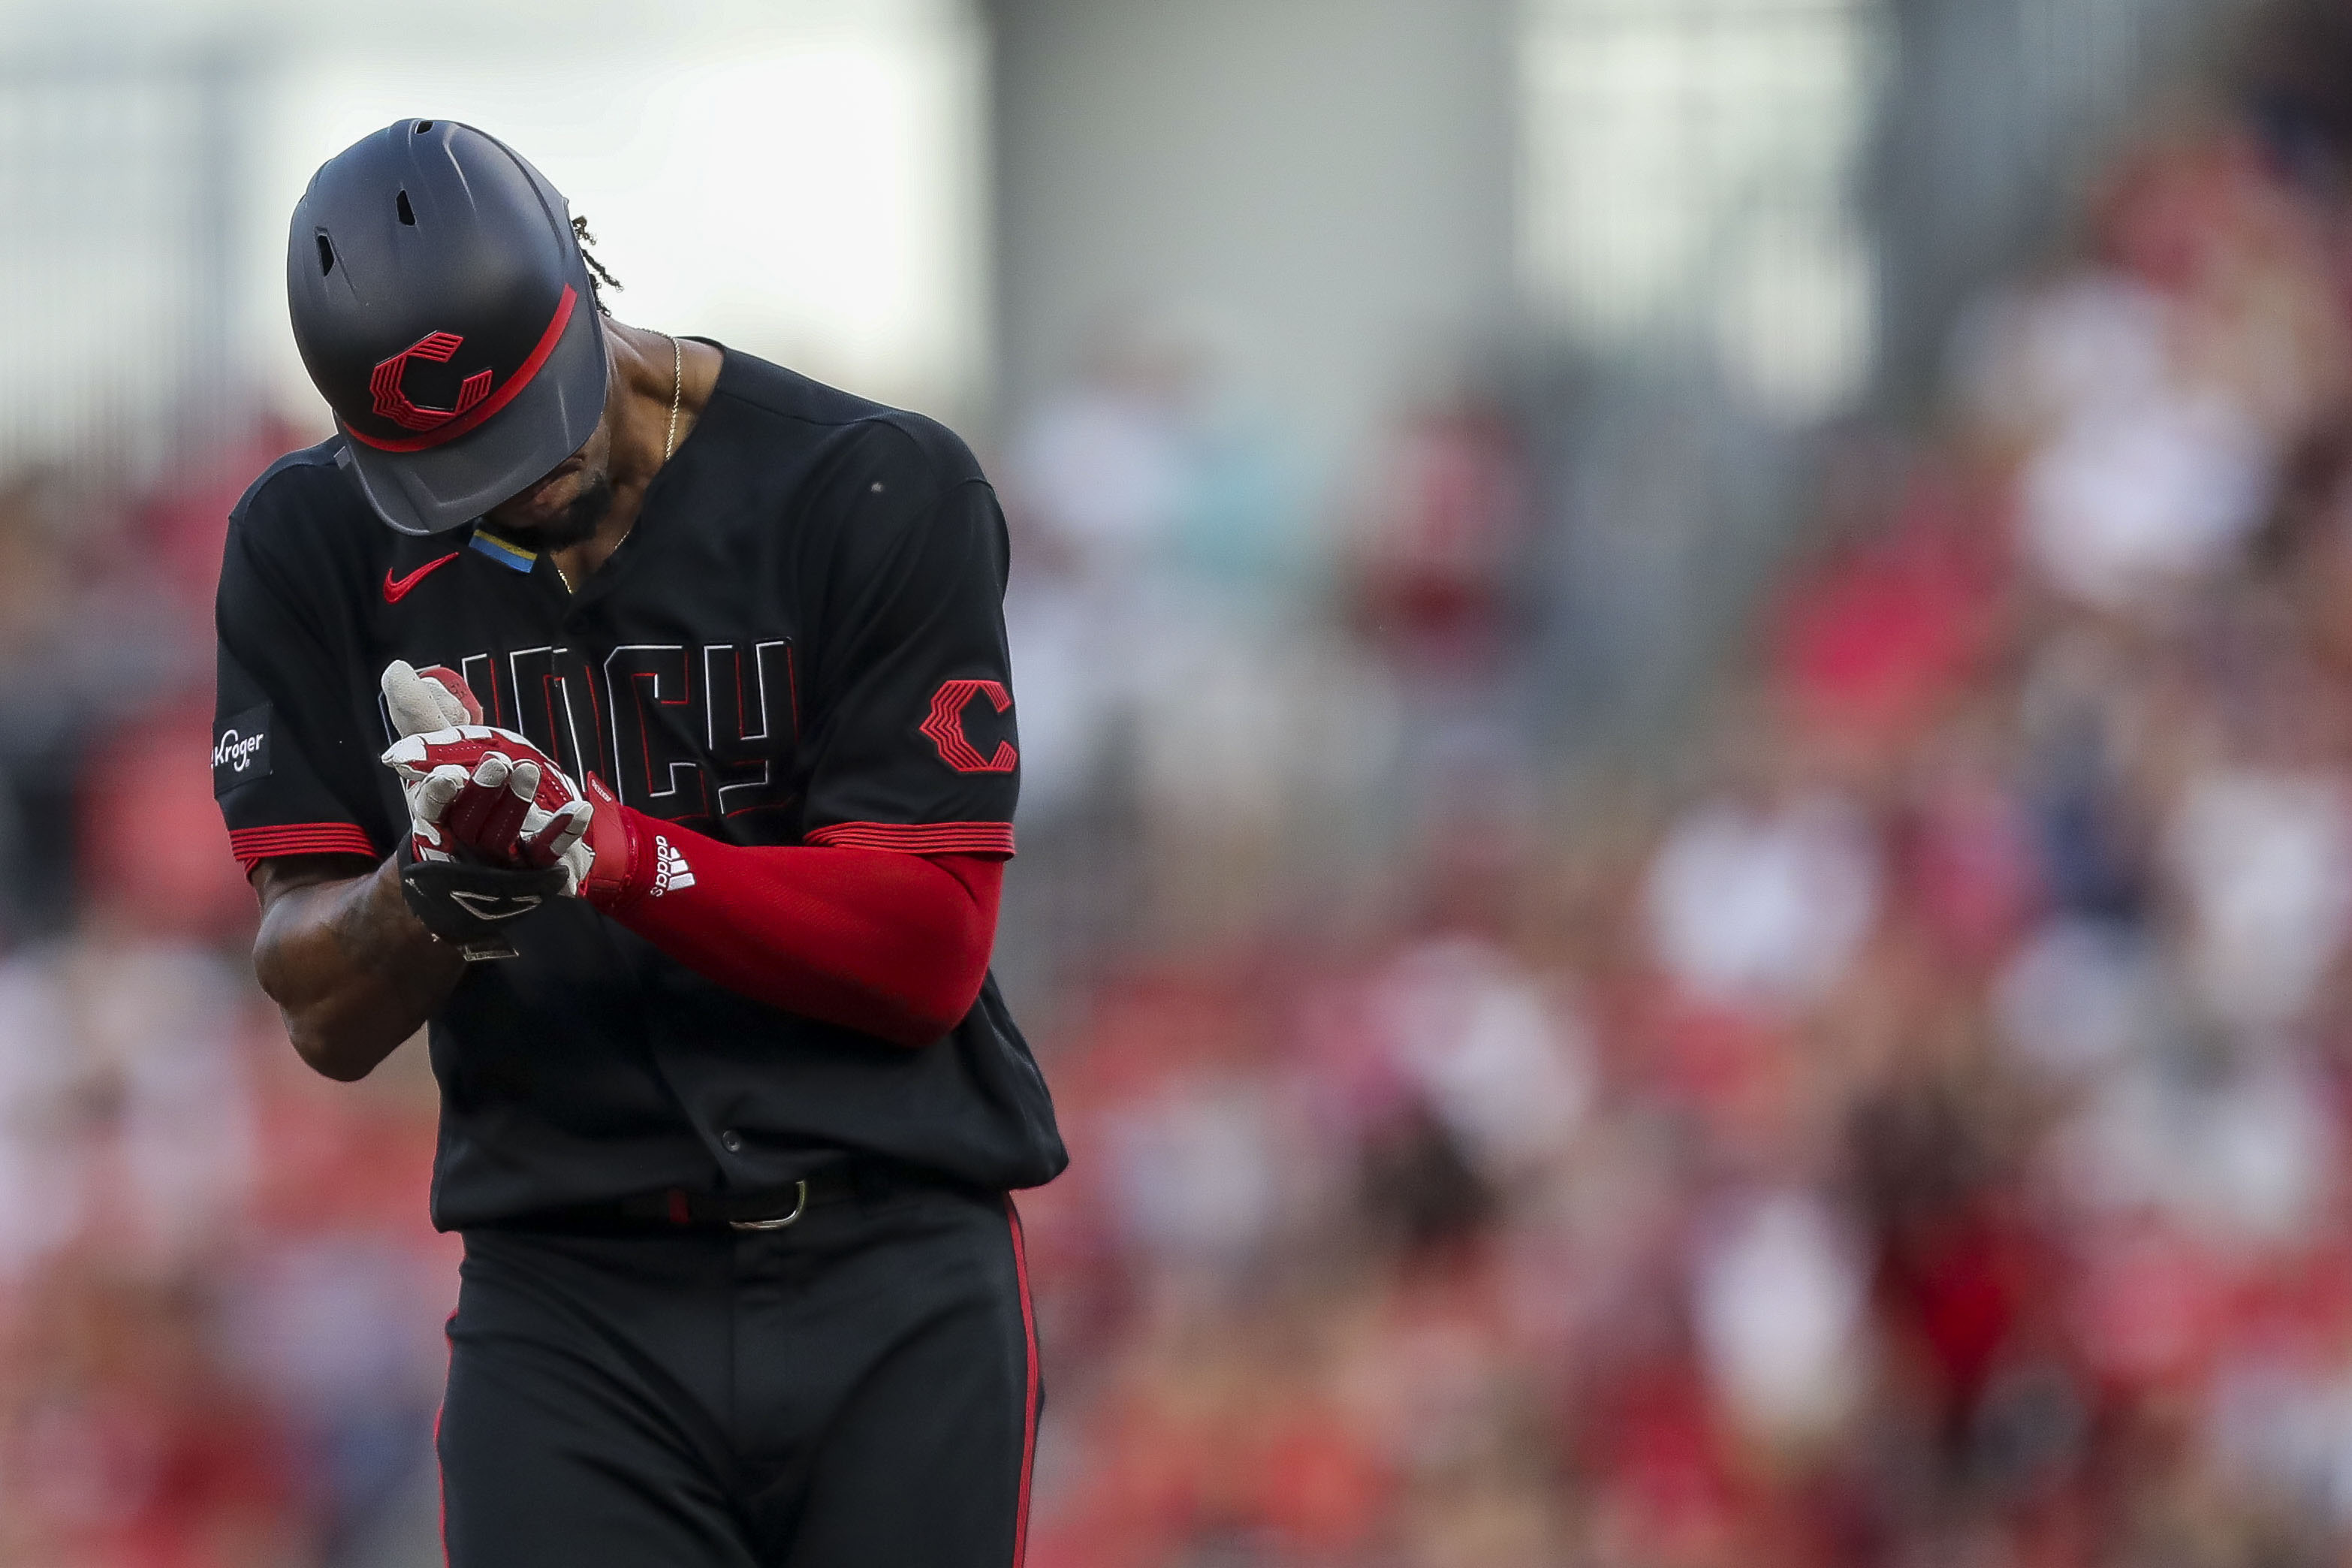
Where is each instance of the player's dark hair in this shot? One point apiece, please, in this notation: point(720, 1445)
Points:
point(600, 277)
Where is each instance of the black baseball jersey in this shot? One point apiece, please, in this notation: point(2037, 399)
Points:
point(801, 641)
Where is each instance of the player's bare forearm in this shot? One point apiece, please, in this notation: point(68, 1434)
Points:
point(354, 971)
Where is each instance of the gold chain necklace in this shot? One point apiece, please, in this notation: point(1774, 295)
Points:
point(677, 392)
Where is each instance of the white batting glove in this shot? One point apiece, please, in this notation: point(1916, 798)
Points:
point(477, 793)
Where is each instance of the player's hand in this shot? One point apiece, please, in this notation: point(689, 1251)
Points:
point(422, 700)
point(490, 796)
point(477, 793)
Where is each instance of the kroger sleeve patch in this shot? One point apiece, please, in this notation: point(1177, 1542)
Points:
point(241, 749)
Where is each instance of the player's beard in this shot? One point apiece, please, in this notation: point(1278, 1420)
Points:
point(576, 523)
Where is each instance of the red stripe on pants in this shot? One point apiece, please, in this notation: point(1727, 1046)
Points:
point(441, 1477)
point(1029, 1401)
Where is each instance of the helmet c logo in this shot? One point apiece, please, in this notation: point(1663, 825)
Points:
point(392, 400)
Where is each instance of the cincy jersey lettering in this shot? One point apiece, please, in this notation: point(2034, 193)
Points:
point(677, 730)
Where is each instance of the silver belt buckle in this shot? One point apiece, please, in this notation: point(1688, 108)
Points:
point(800, 1207)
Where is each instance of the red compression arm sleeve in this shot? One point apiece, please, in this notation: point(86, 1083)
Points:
point(892, 945)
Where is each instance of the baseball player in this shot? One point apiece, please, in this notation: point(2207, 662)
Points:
point(636, 714)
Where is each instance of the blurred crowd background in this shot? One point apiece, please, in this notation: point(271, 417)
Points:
point(1685, 680)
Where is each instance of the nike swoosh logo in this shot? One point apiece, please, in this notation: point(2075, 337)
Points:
point(396, 588)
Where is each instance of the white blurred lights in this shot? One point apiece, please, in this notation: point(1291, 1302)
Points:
point(804, 179)
point(1687, 171)
point(805, 184)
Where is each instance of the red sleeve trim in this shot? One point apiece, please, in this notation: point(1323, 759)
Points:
point(251, 846)
point(927, 838)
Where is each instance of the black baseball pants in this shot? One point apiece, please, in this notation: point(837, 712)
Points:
point(860, 1389)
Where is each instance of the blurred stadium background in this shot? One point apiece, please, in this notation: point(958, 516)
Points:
point(1687, 842)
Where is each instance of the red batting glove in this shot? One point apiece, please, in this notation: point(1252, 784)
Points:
point(489, 795)
point(615, 840)
point(484, 793)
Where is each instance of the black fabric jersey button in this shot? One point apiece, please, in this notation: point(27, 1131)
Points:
point(732, 1140)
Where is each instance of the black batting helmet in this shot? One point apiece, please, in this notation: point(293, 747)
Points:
point(444, 312)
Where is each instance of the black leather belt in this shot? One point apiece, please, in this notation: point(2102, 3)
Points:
point(778, 1208)
point(675, 1208)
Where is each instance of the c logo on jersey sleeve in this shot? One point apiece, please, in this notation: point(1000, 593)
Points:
point(945, 728)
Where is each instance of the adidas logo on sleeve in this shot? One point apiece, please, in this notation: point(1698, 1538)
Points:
point(671, 873)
